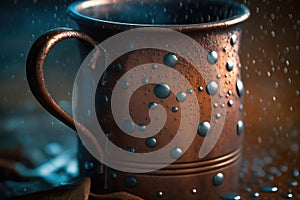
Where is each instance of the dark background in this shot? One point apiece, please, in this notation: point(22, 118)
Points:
point(270, 60)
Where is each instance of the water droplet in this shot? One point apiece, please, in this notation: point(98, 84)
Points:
point(176, 153)
point(159, 194)
point(218, 115)
point(88, 165)
point(230, 103)
point(200, 88)
point(241, 107)
point(103, 100)
point(151, 142)
point(142, 127)
point(118, 67)
point(194, 191)
point(162, 90)
point(189, 91)
point(233, 39)
point(174, 109)
point(105, 78)
point(125, 85)
point(269, 177)
point(292, 183)
point(128, 126)
point(114, 175)
point(240, 127)
point(131, 149)
point(170, 59)
point(130, 181)
point(215, 105)
point(204, 128)
point(287, 196)
point(268, 188)
point(229, 65)
point(230, 196)
point(295, 173)
point(152, 105)
point(240, 87)
point(218, 179)
point(181, 96)
point(145, 81)
point(254, 194)
point(212, 57)
point(154, 66)
point(212, 88)
point(25, 189)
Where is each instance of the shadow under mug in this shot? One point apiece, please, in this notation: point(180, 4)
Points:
point(216, 26)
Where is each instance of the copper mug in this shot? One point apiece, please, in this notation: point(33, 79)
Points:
point(216, 26)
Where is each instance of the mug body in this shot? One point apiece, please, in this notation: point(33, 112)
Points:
point(216, 26)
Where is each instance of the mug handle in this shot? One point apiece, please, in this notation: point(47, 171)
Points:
point(35, 69)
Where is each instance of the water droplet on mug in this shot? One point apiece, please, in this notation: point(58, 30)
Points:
point(212, 88)
point(162, 90)
point(159, 194)
point(295, 173)
point(105, 78)
point(254, 195)
point(212, 57)
point(125, 85)
point(240, 87)
point(130, 181)
point(189, 91)
point(142, 127)
point(151, 142)
point(170, 59)
point(174, 109)
point(229, 65)
point(230, 196)
point(131, 149)
point(233, 39)
point(218, 179)
point(114, 175)
point(287, 196)
point(152, 105)
point(204, 128)
point(292, 183)
point(128, 126)
point(181, 96)
point(200, 88)
point(240, 127)
point(241, 107)
point(118, 67)
point(154, 66)
point(194, 191)
point(230, 103)
point(268, 188)
point(145, 81)
point(176, 153)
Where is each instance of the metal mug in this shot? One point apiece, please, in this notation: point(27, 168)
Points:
point(216, 26)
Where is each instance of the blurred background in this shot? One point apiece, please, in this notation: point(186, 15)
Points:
point(270, 58)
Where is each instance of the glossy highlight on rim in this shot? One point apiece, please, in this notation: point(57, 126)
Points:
point(75, 11)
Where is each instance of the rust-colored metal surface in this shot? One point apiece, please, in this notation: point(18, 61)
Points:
point(189, 177)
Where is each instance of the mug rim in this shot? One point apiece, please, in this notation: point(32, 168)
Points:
point(75, 8)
